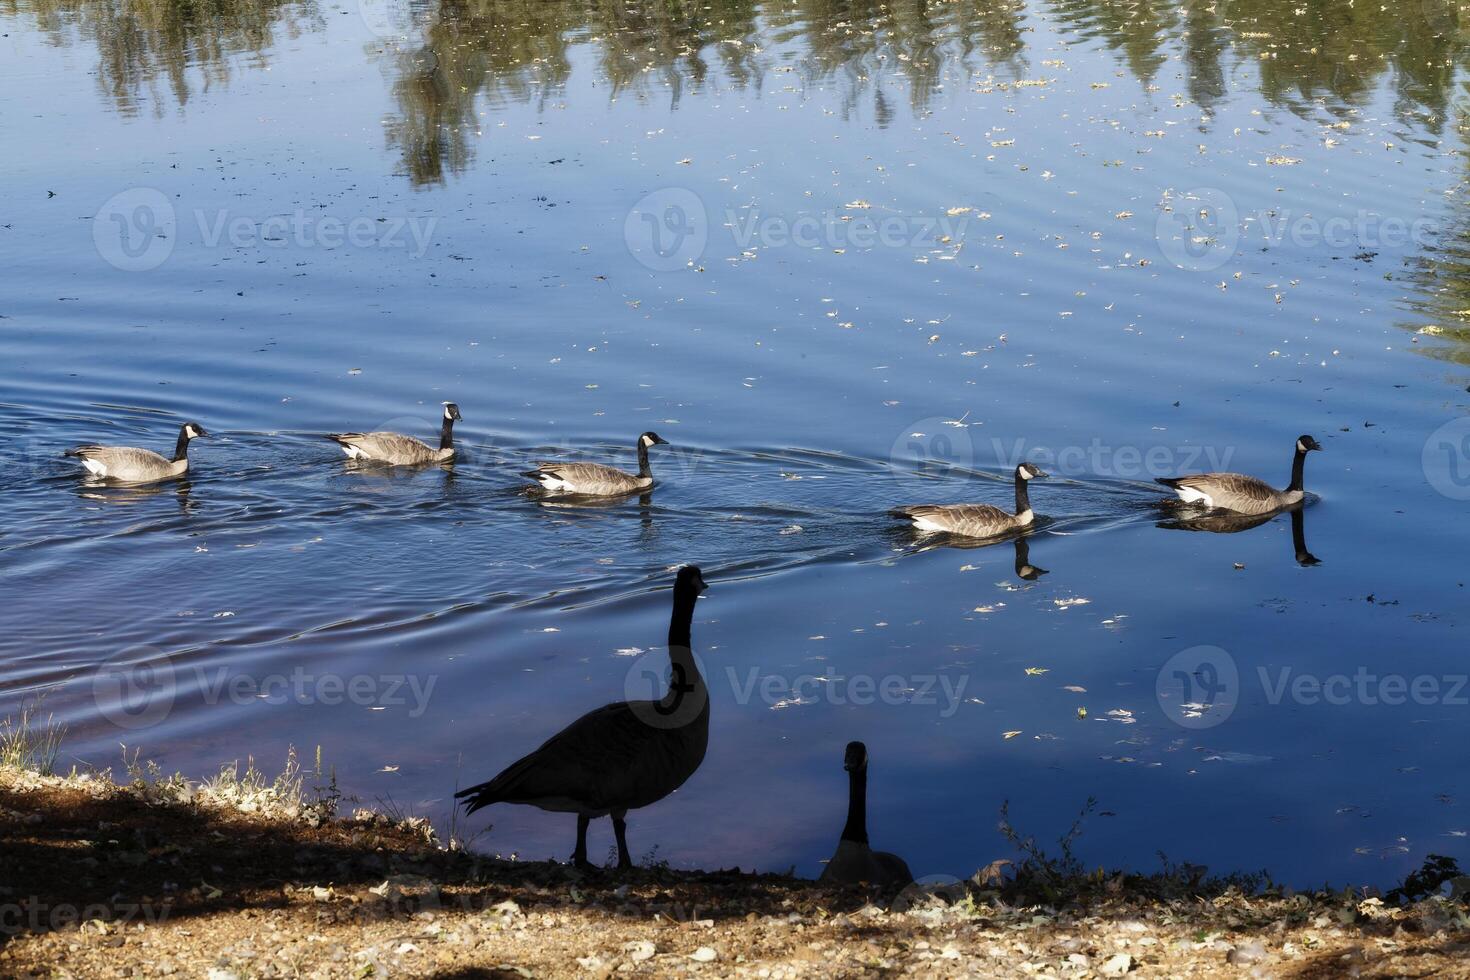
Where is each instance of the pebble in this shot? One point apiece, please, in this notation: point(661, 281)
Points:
point(704, 954)
point(640, 950)
point(1117, 965)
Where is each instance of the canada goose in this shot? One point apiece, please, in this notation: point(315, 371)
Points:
point(596, 480)
point(1243, 494)
point(854, 862)
point(976, 520)
point(398, 450)
point(620, 757)
point(124, 464)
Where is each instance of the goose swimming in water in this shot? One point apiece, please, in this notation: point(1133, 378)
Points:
point(595, 479)
point(620, 757)
point(124, 464)
point(1243, 494)
point(400, 450)
point(854, 862)
point(976, 520)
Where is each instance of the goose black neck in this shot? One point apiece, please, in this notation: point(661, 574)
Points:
point(1023, 499)
point(679, 622)
point(181, 448)
point(1299, 539)
point(856, 829)
point(643, 469)
point(446, 433)
point(1296, 469)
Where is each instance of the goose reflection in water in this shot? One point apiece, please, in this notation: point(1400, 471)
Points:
point(1025, 571)
point(1227, 523)
point(132, 495)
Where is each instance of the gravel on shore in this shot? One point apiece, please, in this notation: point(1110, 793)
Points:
point(102, 880)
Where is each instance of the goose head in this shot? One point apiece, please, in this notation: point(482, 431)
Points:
point(690, 582)
point(652, 439)
point(1029, 471)
point(451, 412)
point(856, 757)
point(192, 430)
point(1306, 444)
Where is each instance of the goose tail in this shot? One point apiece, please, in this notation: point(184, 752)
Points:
point(343, 438)
point(477, 797)
point(1169, 481)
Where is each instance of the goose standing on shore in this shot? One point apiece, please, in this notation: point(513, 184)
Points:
point(1242, 494)
point(124, 464)
point(400, 450)
point(620, 757)
point(595, 479)
point(855, 862)
point(976, 520)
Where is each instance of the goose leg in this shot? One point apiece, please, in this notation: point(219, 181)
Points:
point(579, 856)
point(620, 830)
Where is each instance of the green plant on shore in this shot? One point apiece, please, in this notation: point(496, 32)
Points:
point(1058, 878)
point(24, 746)
point(1428, 879)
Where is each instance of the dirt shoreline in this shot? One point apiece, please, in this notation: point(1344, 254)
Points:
point(103, 880)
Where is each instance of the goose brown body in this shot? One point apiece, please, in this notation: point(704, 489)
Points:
point(396, 449)
point(976, 520)
point(127, 464)
point(596, 479)
point(1241, 494)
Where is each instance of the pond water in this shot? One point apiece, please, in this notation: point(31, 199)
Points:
point(843, 257)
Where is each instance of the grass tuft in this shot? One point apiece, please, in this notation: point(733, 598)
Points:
point(25, 746)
